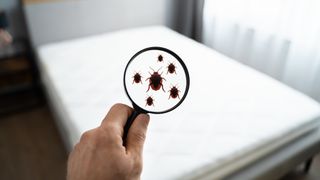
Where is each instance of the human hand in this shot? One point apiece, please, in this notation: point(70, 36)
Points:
point(100, 154)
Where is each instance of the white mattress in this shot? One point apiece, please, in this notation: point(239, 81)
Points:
point(231, 112)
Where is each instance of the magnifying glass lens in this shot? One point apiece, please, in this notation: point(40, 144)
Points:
point(156, 80)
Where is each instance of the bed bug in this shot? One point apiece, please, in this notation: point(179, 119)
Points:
point(137, 78)
point(171, 68)
point(174, 92)
point(149, 101)
point(160, 58)
point(155, 81)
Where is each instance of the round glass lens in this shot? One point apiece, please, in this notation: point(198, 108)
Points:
point(156, 80)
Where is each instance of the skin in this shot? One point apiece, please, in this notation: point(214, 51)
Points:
point(100, 154)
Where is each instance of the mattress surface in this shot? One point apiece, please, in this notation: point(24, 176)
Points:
point(231, 110)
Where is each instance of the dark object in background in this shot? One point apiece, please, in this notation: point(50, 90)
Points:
point(19, 82)
point(5, 36)
point(3, 20)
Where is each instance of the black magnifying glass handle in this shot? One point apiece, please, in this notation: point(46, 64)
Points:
point(129, 122)
point(145, 65)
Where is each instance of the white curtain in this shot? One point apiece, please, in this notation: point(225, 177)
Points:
point(278, 37)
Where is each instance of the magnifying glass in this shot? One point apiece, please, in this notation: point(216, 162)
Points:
point(156, 80)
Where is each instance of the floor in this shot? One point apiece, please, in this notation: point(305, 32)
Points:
point(31, 148)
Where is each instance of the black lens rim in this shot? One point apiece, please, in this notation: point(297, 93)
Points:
point(142, 110)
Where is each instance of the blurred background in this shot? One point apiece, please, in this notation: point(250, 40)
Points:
point(277, 37)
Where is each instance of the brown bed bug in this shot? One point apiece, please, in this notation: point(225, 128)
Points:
point(155, 81)
point(171, 68)
point(160, 58)
point(137, 78)
point(149, 101)
point(174, 92)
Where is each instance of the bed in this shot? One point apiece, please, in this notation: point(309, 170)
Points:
point(235, 122)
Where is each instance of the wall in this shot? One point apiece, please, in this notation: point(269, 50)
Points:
point(55, 21)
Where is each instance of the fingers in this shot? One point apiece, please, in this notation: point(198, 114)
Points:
point(116, 120)
point(137, 134)
point(117, 117)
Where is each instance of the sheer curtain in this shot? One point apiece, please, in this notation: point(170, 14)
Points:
point(278, 37)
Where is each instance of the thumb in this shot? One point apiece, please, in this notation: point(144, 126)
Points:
point(137, 134)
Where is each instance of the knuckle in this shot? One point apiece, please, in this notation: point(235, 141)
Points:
point(110, 129)
point(117, 106)
point(120, 106)
point(88, 135)
point(76, 147)
point(105, 133)
point(91, 138)
point(104, 137)
point(139, 136)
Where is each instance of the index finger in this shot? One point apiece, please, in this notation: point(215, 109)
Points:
point(117, 116)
